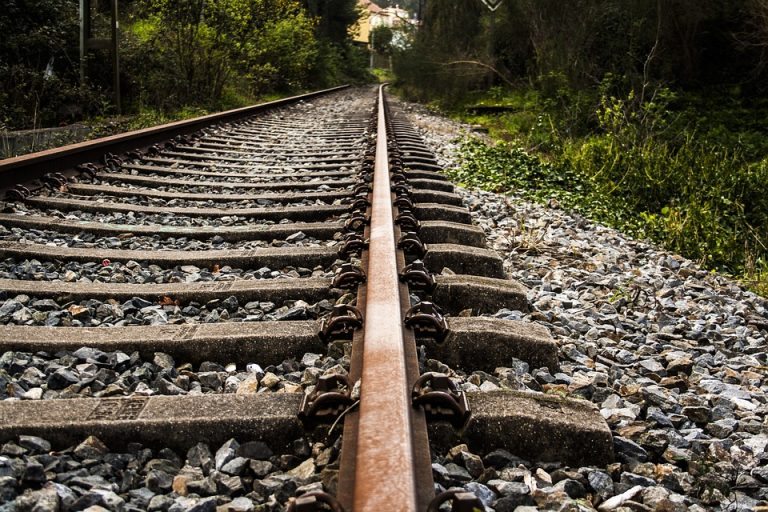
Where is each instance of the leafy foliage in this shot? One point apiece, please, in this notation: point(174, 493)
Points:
point(174, 53)
point(198, 49)
point(642, 172)
point(381, 39)
point(39, 65)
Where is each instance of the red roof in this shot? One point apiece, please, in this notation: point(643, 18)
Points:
point(370, 6)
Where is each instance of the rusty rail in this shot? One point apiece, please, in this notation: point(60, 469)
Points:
point(27, 167)
point(385, 460)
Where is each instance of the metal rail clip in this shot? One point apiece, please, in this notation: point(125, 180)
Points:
point(427, 321)
point(112, 161)
point(441, 399)
point(348, 277)
point(341, 323)
point(362, 189)
point(17, 193)
point(327, 401)
point(356, 222)
point(412, 245)
point(398, 177)
point(353, 244)
point(53, 180)
point(360, 204)
point(463, 501)
point(407, 221)
point(403, 202)
point(88, 169)
point(313, 502)
point(418, 278)
point(401, 189)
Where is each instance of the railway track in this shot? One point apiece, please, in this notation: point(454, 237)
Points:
point(262, 310)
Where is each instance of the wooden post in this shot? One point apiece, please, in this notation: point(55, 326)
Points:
point(112, 44)
point(85, 35)
point(115, 57)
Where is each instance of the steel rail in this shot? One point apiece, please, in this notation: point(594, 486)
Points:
point(391, 457)
point(25, 168)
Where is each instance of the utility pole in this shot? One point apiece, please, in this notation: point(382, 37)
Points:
point(87, 42)
point(370, 36)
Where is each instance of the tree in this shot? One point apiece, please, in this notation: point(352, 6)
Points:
point(381, 39)
point(39, 81)
point(199, 48)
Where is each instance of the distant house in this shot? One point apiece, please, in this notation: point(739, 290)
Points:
point(362, 31)
point(372, 16)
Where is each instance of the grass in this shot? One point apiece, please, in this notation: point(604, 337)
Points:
point(383, 75)
point(656, 169)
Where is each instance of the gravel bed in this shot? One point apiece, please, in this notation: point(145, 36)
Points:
point(186, 203)
point(89, 372)
point(31, 310)
point(152, 243)
point(195, 189)
point(234, 477)
point(288, 181)
point(673, 356)
point(150, 219)
point(133, 272)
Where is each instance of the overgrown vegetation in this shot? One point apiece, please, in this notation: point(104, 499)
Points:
point(647, 116)
point(174, 55)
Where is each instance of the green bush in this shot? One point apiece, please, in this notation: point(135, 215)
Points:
point(695, 197)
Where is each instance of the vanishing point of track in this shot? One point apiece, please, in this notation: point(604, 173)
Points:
point(383, 262)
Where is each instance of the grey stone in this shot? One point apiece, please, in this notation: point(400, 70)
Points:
point(697, 414)
point(226, 453)
point(483, 493)
point(235, 466)
point(101, 498)
point(34, 472)
point(211, 380)
point(91, 448)
point(8, 489)
point(254, 450)
point(141, 497)
point(722, 428)
point(200, 456)
point(456, 473)
point(13, 450)
point(67, 496)
point(229, 485)
point(473, 463)
point(573, 488)
point(627, 450)
point(164, 361)
point(164, 465)
point(500, 459)
point(760, 473)
point(511, 503)
point(504, 488)
point(61, 378)
point(261, 468)
point(205, 486)
point(601, 483)
point(241, 504)
point(158, 481)
point(632, 479)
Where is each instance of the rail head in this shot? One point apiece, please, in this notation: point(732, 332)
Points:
point(391, 452)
